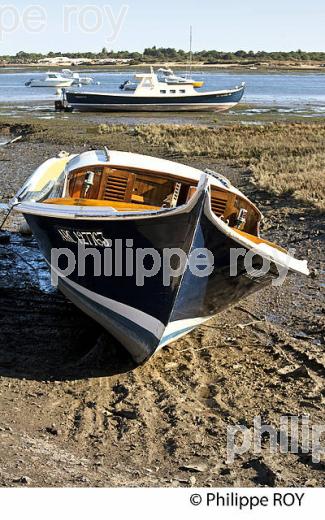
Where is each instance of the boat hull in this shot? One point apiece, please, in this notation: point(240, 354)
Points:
point(136, 315)
point(146, 318)
point(94, 102)
point(48, 84)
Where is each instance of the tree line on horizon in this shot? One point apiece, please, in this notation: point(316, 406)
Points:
point(154, 54)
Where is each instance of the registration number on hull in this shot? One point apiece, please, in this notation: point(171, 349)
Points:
point(87, 238)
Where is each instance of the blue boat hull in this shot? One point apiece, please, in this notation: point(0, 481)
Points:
point(210, 101)
point(145, 318)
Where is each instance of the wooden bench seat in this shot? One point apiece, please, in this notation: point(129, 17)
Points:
point(119, 206)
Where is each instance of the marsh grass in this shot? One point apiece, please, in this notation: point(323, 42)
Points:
point(285, 159)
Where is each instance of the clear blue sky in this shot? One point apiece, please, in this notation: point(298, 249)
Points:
point(217, 24)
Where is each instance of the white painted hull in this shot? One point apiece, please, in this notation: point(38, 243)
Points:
point(51, 84)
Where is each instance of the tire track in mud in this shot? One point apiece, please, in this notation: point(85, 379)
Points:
point(88, 419)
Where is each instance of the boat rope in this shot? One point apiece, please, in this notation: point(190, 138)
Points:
point(7, 215)
point(29, 265)
point(12, 141)
point(8, 245)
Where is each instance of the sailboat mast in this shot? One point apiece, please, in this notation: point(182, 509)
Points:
point(191, 53)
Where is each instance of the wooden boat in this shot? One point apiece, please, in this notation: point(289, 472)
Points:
point(150, 95)
point(105, 199)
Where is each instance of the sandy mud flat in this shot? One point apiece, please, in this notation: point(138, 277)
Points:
point(74, 411)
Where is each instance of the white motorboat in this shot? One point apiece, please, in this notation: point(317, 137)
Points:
point(51, 79)
point(168, 76)
point(77, 79)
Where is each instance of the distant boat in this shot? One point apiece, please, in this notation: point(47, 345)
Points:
point(164, 76)
point(129, 86)
point(51, 79)
point(77, 79)
point(151, 94)
point(110, 201)
point(168, 76)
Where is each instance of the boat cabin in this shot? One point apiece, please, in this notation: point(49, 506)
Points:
point(152, 85)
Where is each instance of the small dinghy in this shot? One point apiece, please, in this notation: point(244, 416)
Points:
point(166, 246)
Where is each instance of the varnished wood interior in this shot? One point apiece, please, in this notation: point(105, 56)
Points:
point(128, 190)
point(258, 240)
point(119, 206)
point(117, 184)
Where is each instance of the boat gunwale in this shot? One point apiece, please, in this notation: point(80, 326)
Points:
point(139, 163)
point(93, 212)
point(73, 211)
point(190, 174)
point(291, 263)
